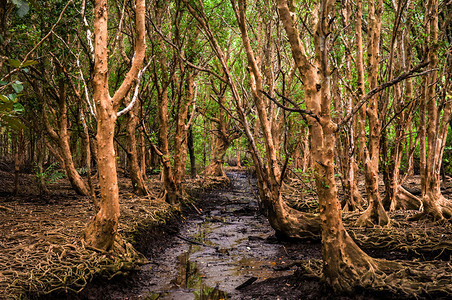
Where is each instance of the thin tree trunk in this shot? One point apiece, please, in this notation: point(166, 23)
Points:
point(88, 160)
point(239, 164)
point(435, 205)
point(65, 144)
point(43, 190)
point(171, 194)
point(138, 184)
point(375, 213)
point(191, 151)
point(16, 162)
point(285, 220)
point(180, 139)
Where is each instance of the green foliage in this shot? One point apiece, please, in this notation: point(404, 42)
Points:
point(82, 170)
point(10, 108)
point(51, 174)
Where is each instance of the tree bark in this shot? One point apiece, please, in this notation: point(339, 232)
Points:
point(434, 203)
point(375, 213)
point(101, 231)
point(62, 140)
point(191, 151)
point(286, 221)
point(136, 176)
point(344, 262)
point(180, 139)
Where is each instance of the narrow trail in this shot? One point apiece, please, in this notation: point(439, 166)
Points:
point(229, 245)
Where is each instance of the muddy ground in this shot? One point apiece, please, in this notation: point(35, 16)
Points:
point(222, 247)
point(229, 251)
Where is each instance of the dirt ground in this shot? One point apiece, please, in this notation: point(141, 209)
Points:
point(40, 244)
point(41, 251)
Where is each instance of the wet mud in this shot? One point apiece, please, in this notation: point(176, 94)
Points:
point(219, 252)
point(225, 246)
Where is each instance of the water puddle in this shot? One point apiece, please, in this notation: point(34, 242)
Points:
point(217, 252)
point(188, 284)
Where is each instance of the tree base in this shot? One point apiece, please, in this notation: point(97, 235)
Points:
point(373, 216)
point(405, 200)
point(355, 269)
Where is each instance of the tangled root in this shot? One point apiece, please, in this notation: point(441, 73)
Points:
point(403, 278)
point(40, 245)
point(424, 240)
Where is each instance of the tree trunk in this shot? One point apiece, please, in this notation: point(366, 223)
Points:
point(375, 213)
point(65, 145)
point(344, 263)
point(222, 139)
point(16, 162)
point(43, 190)
point(191, 151)
point(142, 156)
point(101, 231)
point(138, 184)
point(171, 194)
point(180, 139)
point(286, 221)
point(88, 160)
point(239, 164)
point(435, 206)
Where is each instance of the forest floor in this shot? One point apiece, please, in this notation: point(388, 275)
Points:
point(40, 248)
point(219, 247)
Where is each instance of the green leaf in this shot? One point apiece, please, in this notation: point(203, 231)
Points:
point(17, 86)
point(4, 99)
point(14, 62)
point(12, 97)
point(29, 63)
point(18, 108)
point(3, 82)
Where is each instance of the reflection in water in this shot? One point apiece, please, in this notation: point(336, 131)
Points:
point(189, 281)
point(227, 244)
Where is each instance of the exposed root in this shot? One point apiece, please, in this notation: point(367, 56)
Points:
point(41, 251)
point(354, 203)
point(422, 240)
point(374, 215)
point(292, 223)
point(406, 279)
point(405, 200)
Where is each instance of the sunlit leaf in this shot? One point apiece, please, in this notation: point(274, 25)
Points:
point(29, 63)
point(23, 9)
point(17, 86)
point(4, 99)
point(18, 107)
point(12, 97)
point(14, 62)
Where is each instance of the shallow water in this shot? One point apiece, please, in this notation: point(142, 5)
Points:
point(228, 248)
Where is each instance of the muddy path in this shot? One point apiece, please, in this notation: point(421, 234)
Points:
point(225, 246)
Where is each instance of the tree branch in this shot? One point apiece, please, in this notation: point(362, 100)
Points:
point(405, 75)
point(296, 109)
